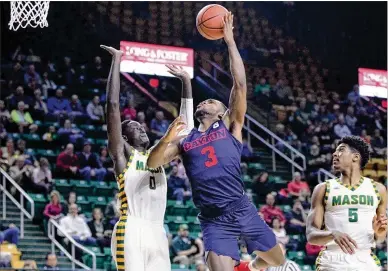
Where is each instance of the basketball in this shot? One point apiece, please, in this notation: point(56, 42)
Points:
point(209, 21)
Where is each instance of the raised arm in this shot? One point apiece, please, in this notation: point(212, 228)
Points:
point(314, 233)
point(380, 220)
point(168, 146)
point(238, 95)
point(187, 108)
point(115, 140)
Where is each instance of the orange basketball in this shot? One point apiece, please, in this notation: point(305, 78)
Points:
point(209, 21)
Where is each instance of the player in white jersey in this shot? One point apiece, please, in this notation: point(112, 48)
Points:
point(348, 213)
point(139, 241)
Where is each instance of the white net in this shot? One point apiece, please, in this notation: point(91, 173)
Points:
point(28, 13)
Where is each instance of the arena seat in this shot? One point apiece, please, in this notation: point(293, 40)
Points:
point(297, 256)
point(62, 186)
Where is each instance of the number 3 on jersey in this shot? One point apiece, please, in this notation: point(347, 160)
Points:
point(211, 156)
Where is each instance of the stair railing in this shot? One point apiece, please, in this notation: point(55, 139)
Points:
point(324, 175)
point(6, 179)
point(53, 228)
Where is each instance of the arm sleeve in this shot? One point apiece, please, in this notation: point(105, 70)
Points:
point(187, 112)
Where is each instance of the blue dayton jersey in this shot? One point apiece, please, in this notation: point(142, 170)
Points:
point(212, 163)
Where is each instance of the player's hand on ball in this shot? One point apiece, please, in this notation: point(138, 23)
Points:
point(112, 51)
point(174, 129)
point(228, 27)
point(380, 224)
point(345, 242)
point(178, 72)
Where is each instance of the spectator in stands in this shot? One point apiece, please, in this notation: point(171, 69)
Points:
point(90, 164)
point(50, 136)
point(106, 162)
point(21, 151)
point(76, 108)
point(53, 209)
point(21, 172)
point(100, 229)
point(312, 251)
point(31, 74)
point(68, 133)
point(186, 250)
point(20, 97)
point(8, 153)
point(354, 95)
point(5, 116)
point(66, 72)
point(51, 262)
point(41, 177)
point(364, 135)
point(350, 118)
point(76, 227)
point(112, 211)
point(9, 233)
point(159, 125)
point(279, 231)
point(95, 110)
point(201, 266)
point(296, 218)
point(378, 144)
point(47, 84)
point(141, 118)
point(40, 107)
point(179, 187)
point(270, 211)
point(17, 75)
point(297, 187)
point(341, 129)
point(282, 94)
point(71, 199)
point(262, 186)
point(23, 119)
point(98, 73)
point(67, 163)
point(3, 132)
point(129, 112)
point(262, 88)
point(58, 105)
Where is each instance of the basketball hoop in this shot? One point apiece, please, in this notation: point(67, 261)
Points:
point(28, 13)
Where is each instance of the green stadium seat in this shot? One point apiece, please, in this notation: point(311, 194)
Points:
point(100, 258)
point(297, 256)
point(193, 223)
point(285, 208)
point(174, 222)
point(81, 187)
point(382, 255)
point(179, 267)
point(84, 204)
point(307, 267)
point(255, 168)
point(107, 251)
point(98, 202)
point(102, 188)
point(32, 137)
point(177, 209)
point(15, 136)
point(46, 153)
point(62, 186)
point(101, 142)
point(40, 202)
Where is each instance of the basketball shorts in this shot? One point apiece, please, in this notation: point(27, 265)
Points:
point(336, 260)
point(240, 220)
point(140, 245)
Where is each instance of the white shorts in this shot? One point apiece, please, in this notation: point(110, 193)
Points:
point(140, 245)
point(335, 260)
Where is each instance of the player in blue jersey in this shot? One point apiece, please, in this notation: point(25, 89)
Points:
point(211, 155)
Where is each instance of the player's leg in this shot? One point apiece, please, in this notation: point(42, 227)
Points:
point(220, 241)
point(219, 262)
point(260, 239)
point(158, 253)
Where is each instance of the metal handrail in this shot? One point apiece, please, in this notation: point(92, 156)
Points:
point(327, 175)
point(54, 227)
point(19, 204)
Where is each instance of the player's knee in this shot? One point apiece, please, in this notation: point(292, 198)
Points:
point(279, 260)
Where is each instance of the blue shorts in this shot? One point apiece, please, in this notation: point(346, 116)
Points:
point(240, 221)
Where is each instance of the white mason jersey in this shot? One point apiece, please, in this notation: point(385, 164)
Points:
point(142, 191)
point(350, 209)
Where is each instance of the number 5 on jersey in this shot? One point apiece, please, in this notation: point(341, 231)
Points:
point(211, 156)
point(353, 215)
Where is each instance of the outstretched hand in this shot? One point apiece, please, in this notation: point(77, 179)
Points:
point(112, 51)
point(228, 27)
point(174, 129)
point(178, 72)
